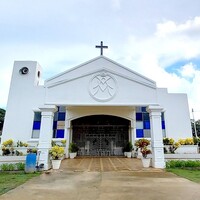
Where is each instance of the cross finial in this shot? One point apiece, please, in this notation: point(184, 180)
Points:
point(101, 47)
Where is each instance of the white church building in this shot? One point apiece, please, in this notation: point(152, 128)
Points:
point(100, 105)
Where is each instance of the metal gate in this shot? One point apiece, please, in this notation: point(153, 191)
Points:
point(100, 140)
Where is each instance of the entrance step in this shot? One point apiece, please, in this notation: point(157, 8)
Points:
point(104, 164)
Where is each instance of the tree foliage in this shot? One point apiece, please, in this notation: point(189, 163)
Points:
point(197, 123)
point(2, 116)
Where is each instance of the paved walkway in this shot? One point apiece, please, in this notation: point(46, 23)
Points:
point(104, 164)
point(91, 180)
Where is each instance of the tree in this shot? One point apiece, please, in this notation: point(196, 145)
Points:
point(197, 123)
point(2, 116)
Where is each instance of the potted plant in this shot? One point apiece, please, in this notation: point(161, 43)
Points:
point(145, 161)
point(7, 147)
point(56, 153)
point(128, 149)
point(187, 146)
point(143, 144)
point(73, 149)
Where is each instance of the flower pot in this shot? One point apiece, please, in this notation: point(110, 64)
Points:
point(128, 154)
point(56, 164)
point(146, 162)
point(72, 155)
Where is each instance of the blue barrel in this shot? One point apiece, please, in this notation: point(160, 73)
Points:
point(30, 163)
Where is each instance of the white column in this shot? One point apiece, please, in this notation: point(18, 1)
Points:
point(67, 133)
point(133, 128)
point(46, 133)
point(156, 136)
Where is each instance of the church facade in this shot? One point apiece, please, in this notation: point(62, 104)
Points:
point(100, 105)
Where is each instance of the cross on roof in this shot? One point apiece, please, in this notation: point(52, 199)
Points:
point(101, 47)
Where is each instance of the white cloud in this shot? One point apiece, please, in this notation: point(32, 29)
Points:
point(153, 55)
point(62, 35)
point(188, 70)
point(172, 28)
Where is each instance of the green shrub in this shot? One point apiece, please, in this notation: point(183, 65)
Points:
point(20, 166)
point(11, 167)
point(183, 164)
point(4, 167)
point(73, 147)
point(7, 167)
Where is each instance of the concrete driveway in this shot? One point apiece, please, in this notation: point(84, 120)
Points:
point(106, 185)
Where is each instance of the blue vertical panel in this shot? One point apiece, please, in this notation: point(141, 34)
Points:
point(146, 116)
point(54, 124)
point(37, 116)
point(138, 116)
point(146, 124)
point(36, 125)
point(60, 133)
point(61, 116)
point(139, 133)
point(143, 109)
point(163, 124)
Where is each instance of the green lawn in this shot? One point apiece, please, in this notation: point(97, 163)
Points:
point(191, 174)
point(9, 181)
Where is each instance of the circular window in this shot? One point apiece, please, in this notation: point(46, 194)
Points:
point(24, 70)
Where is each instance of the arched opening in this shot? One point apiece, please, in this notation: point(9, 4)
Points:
point(100, 135)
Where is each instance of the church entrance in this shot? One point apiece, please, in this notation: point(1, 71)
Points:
point(100, 135)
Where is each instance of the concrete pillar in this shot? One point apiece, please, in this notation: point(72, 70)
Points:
point(133, 128)
point(46, 133)
point(156, 136)
point(67, 134)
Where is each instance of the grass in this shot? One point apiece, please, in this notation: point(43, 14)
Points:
point(9, 181)
point(190, 174)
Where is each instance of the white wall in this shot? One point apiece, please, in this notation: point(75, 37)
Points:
point(177, 117)
point(72, 89)
point(24, 96)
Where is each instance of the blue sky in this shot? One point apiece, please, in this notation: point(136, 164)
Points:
point(159, 39)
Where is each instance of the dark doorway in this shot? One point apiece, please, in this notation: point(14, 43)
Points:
point(100, 135)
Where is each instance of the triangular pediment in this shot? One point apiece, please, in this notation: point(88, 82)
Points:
point(98, 81)
point(101, 65)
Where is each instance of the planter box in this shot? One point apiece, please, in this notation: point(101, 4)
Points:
point(182, 156)
point(187, 149)
point(12, 159)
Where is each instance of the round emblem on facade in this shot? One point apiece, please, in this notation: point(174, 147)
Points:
point(102, 87)
point(24, 70)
